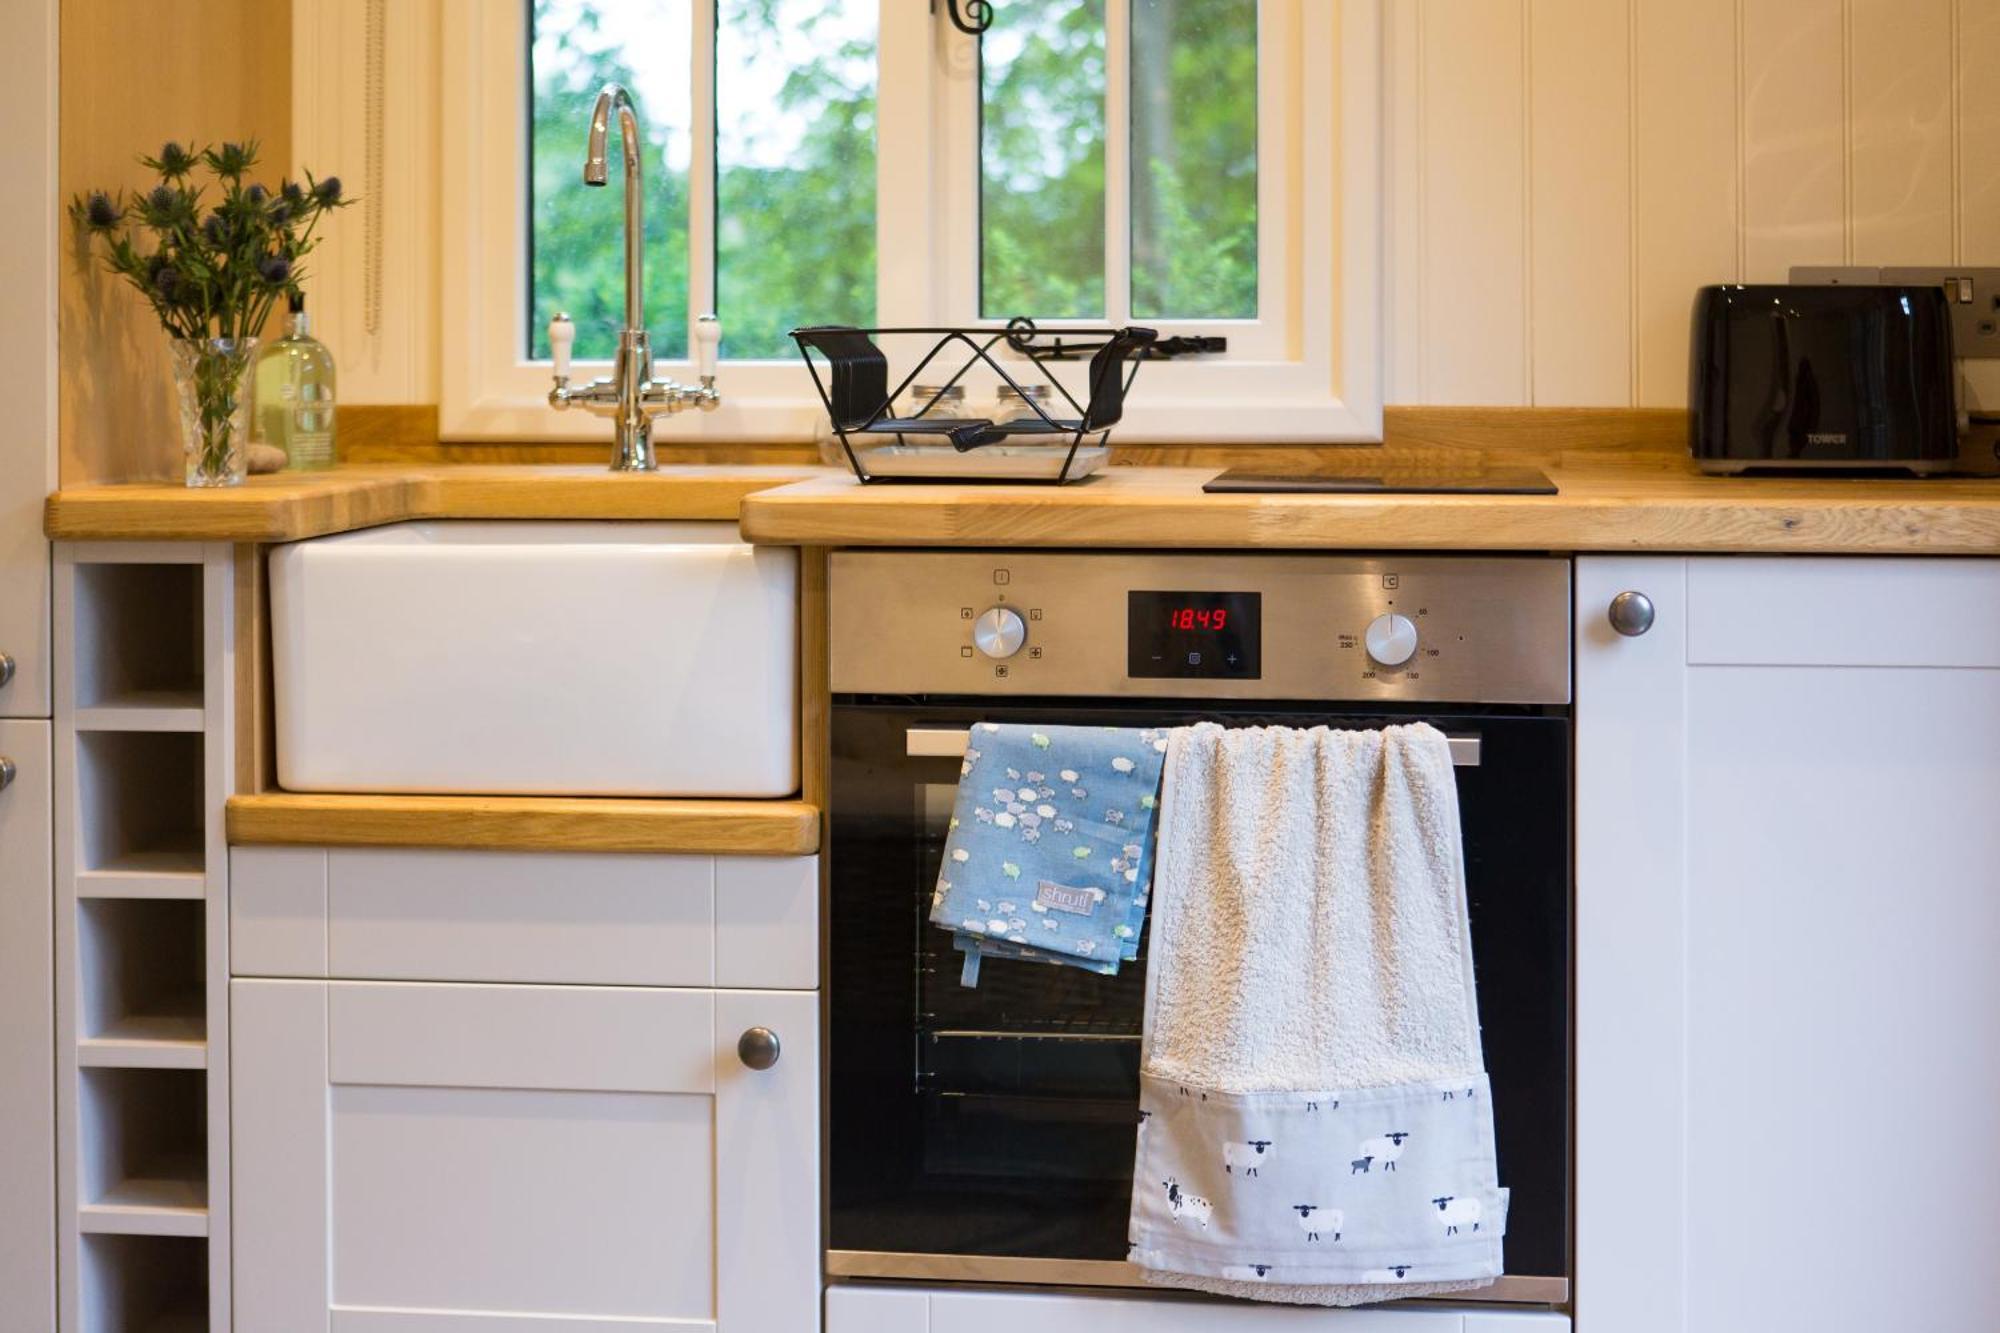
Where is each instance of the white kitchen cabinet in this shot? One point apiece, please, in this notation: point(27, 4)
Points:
point(867, 1309)
point(414, 1158)
point(1788, 900)
point(30, 239)
point(27, 1036)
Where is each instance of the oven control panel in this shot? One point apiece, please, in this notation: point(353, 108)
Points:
point(1447, 629)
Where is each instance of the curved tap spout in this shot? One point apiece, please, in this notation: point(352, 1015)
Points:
point(615, 100)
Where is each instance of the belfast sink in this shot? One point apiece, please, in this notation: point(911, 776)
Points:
point(551, 658)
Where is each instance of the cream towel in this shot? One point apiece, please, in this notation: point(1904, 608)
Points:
point(1315, 1120)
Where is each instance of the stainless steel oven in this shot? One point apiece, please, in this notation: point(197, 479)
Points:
point(987, 1134)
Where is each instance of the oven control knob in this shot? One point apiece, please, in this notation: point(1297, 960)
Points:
point(1391, 639)
point(999, 632)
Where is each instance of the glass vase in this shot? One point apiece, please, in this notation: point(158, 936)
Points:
point(212, 379)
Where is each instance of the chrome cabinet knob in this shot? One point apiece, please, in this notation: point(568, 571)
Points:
point(6, 772)
point(758, 1048)
point(999, 632)
point(1631, 614)
point(6, 668)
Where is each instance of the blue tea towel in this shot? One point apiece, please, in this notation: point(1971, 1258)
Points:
point(1049, 853)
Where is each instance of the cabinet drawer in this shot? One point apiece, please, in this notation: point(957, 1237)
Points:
point(531, 917)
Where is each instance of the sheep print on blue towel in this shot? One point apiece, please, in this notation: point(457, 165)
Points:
point(1048, 856)
point(1390, 1186)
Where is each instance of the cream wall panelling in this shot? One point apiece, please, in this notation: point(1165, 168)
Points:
point(372, 289)
point(1564, 174)
point(28, 258)
point(144, 752)
point(453, 324)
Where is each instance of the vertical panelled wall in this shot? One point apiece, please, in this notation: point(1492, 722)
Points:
point(1564, 174)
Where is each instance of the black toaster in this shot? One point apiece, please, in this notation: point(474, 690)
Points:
point(1822, 377)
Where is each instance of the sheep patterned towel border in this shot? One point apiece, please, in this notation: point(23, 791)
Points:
point(1374, 1185)
point(1047, 855)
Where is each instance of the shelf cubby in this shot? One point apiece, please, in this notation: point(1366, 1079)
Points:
point(144, 1165)
point(140, 801)
point(143, 1284)
point(138, 647)
point(141, 984)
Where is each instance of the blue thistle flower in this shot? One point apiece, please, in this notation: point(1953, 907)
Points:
point(257, 194)
point(275, 269)
point(100, 212)
point(163, 198)
point(167, 282)
point(216, 231)
point(328, 190)
point(174, 161)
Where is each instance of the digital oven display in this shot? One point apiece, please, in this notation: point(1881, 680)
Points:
point(1182, 635)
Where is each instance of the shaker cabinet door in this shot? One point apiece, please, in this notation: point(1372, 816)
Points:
point(27, 1036)
point(1787, 1012)
point(417, 1158)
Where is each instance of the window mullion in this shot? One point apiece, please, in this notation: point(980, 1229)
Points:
point(908, 212)
point(701, 166)
point(1118, 161)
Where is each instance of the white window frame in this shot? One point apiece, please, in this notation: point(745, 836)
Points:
point(1308, 369)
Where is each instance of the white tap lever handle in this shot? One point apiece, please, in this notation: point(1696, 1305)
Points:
point(707, 337)
point(562, 336)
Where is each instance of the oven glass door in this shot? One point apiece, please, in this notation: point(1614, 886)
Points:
point(1000, 1120)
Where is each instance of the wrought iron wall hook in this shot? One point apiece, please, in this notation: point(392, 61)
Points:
point(977, 18)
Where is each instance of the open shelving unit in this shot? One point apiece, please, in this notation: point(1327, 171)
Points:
point(144, 743)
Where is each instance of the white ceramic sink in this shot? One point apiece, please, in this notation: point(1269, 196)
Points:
point(557, 658)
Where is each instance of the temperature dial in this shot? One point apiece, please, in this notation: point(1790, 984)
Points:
point(1391, 640)
point(999, 632)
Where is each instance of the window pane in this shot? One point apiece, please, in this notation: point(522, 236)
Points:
point(576, 254)
point(1194, 158)
point(795, 169)
point(1041, 179)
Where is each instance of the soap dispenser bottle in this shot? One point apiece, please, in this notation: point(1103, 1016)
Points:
point(295, 399)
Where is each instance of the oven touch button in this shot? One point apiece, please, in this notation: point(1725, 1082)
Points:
point(1391, 640)
point(999, 632)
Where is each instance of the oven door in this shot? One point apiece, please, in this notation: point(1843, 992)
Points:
point(974, 1129)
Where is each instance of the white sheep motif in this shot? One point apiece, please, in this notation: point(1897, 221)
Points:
point(1182, 1204)
point(1455, 1213)
point(1315, 1220)
point(1250, 1154)
point(1384, 1150)
point(1394, 1273)
point(1247, 1272)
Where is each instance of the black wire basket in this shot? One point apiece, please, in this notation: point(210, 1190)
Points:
point(851, 375)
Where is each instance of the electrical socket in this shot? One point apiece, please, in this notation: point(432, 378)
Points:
point(1975, 322)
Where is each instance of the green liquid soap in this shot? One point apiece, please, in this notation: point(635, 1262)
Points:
point(295, 400)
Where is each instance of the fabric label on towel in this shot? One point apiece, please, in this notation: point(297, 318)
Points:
point(1062, 898)
point(1356, 1185)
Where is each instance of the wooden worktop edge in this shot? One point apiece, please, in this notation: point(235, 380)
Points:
point(291, 507)
point(527, 823)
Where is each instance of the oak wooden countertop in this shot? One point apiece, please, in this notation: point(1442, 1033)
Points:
point(1624, 504)
point(288, 506)
point(527, 823)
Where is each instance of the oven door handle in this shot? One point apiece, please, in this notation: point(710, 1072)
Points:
point(950, 742)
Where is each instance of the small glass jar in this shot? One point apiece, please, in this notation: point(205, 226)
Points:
point(1011, 404)
point(937, 400)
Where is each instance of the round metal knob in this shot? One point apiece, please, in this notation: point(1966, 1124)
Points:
point(758, 1048)
point(1391, 639)
point(999, 632)
point(6, 668)
point(6, 772)
point(1631, 614)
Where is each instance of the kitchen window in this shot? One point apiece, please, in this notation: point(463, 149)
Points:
point(1199, 166)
